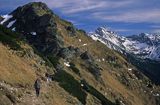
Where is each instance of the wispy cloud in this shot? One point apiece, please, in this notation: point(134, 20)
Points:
point(109, 10)
point(155, 26)
point(75, 6)
point(135, 16)
point(84, 8)
point(93, 5)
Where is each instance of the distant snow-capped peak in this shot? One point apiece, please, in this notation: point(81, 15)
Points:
point(143, 45)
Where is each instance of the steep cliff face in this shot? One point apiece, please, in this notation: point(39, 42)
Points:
point(84, 71)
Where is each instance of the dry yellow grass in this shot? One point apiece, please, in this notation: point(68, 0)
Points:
point(16, 70)
point(13, 69)
point(118, 87)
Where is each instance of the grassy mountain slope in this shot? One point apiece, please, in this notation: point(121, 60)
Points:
point(20, 66)
point(115, 74)
point(19, 69)
point(71, 57)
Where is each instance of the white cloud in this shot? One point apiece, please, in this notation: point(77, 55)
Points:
point(95, 5)
point(136, 16)
point(155, 26)
point(84, 8)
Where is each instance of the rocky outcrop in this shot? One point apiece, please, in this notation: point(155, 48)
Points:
point(91, 66)
point(71, 30)
point(37, 23)
point(86, 56)
point(69, 52)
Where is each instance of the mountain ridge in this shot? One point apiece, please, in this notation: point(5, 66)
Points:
point(141, 50)
point(73, 60)
point(143, 45)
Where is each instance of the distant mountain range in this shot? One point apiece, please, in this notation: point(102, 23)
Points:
point(143, 45)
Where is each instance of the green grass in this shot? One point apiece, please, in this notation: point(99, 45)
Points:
point(99, 96)
point(9, 38)
point(74, 69)
point(40, 11)
point(53, 59)
point(64, 22)
point(72, 86)
point(115, 64)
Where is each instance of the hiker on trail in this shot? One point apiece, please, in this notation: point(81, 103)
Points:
point(37, 86)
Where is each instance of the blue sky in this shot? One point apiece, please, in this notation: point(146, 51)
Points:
point(126, 17)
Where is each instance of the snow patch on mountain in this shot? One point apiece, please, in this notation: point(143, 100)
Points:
point(34, 33)
point(6, 18)
point(84, 44)
point(67, 64)
point(11, 23)
point(14, 29)
point(155, 53)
